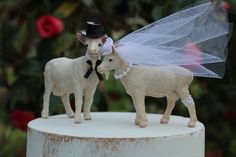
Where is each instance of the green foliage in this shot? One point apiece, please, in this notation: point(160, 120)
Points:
point(23, 55)
point(157, 12)
point(232, 147)
point(12, 142)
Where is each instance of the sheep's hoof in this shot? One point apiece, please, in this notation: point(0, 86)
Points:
point(142, 124)
point(164, 120)
point(192, 124)
point(87, 117)
point(44, 115)
point(136, 121)
point(78, 119)
point(71, 115)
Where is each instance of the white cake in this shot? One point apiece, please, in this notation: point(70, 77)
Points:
point(114, 135)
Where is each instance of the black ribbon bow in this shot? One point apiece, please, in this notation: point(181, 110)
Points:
point(90, 70)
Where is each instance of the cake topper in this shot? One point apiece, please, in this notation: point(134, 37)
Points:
point(142, 80)
point(160, 60)
point(64, 76)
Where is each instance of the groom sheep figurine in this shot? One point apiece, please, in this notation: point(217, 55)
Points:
point(64, 76)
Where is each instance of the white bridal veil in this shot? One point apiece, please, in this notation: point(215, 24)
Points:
point(195, 38)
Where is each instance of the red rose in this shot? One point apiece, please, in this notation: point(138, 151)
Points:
point(114, 96)
point(230, 115)
point(227, 6)
point(20, 119)
point(216, 153)
point(49, 26)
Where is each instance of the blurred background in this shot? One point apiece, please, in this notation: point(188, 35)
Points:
point(34, 31)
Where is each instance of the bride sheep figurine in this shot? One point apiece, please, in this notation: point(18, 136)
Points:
point(64, 76)
point(160, 59)
point(140, 81)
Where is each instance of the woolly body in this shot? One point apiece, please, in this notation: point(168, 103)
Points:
point(66, 73)
point(64, 76)
point(163, 81)
point(171, 82)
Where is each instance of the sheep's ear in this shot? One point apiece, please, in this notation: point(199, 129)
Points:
point(104, 38)
point(117, 45)
point(80, 37)
point(114, 50)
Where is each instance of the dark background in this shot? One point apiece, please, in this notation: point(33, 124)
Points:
point(23, 54)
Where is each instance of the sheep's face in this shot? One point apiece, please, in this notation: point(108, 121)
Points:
point(109, 62)
point(93, 45)
point(93, 48)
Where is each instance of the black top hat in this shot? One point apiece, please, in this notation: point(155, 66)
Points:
point(93, 30)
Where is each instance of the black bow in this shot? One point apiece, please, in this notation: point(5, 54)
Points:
point(90, 70)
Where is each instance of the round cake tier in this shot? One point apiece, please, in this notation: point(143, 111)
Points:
point(111, 134)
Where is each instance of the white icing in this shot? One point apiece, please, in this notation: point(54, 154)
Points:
point(112, 124)
point(116, 135)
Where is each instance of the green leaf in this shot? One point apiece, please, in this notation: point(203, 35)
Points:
point(56, 106)
point(124, 105)
point(31, 68)
point(114, 85)
point(66, 9)
point(88, 3)
point(157, 12)
point(11, 77)
point(20, 37)
point(8, 138)
point(63, 42)
point(3, 96)
point(117, 34)
point(197, 90)
point(44, 50)
point(232, 146)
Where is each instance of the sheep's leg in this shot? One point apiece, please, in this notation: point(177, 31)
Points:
point(193, 116)
point(46, 98)
point(88, 100)
point(66, 102)
point(78, 105)
point(170, 106)
point(189, 102)
point(141, 118)
point(137, 119)
point(87, 106)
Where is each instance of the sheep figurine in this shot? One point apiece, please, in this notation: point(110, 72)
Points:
point(63, 76)
point(163, 81)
